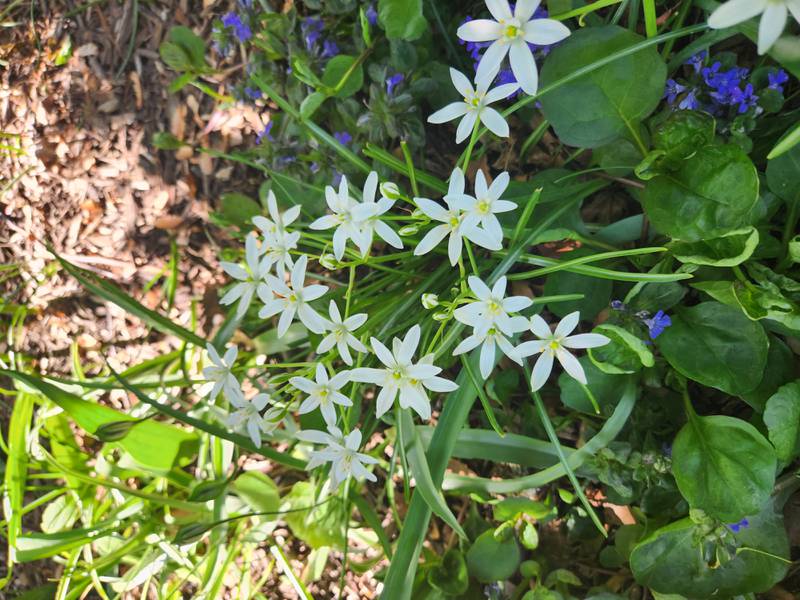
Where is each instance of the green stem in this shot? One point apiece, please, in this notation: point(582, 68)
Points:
point(472, 140)
point(412, 173)
point(472, 261)
point(349, 293)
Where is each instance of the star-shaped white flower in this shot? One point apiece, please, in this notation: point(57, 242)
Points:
point(322, 393)
point(482, 208)
point(369, 212)
point(474, 106)
point(278, 248)
point(248, 416)
point(341, 334)
point(278, 222)
point(554, 344)
point(348, 221)
point(452, 220)
point(219, 376)
point(489, 336)
point(249, 276)
point(510, 34)
point(292, 301)
point(402, 376)
point(342, 452)
point(774, 14)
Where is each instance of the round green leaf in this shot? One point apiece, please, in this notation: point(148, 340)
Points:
point(491, 560)
point(728, 250)
point(683, 133)
point(335, 71)
point(402, 19)
point(782, 418)
point(668, 562)
point(716, 345)
point(258, 491)
point(707, 196)
point(723, 466)
point(609, 102)
point(604, 386)
point(528, 536)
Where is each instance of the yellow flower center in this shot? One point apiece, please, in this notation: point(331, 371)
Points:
point(453, 222)
point(512, 32)
point(483, 206)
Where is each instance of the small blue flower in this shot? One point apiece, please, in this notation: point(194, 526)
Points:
point(393, 81)
point(776, 80)
point(265, 133)
point(372, 15)
point(329, 49)
point(657, 324)
point(343, 137)
point(697, 60)
point(311, 28)
point(744, 98)
point(690, 101)
point(253, 93)
point(240, 29)
point(737, 527)
point(673, 90)
point(285, 161)
point(314, 167)
point(617, 305)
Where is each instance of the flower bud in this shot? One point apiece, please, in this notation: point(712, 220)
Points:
point(114, 431)
point(329, 262)
point(440, 316)
point(390, 190)
point(430, 301)
point(408, 230)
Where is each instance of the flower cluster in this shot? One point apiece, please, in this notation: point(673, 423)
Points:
point(774, 14)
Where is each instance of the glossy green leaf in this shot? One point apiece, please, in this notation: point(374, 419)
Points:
point(319, 526)
point(669, 562)
point(625, 353)
point(603, 386)
point(339, 68)
point(258, 491)
point(402, 19)
point(238, 209)
point(707, 196)
point(601, 106)
point(683, 133)
point(780, 370)
point(716, 345)
point(728, 250)
point(783, 175)
point(782, 418)
point(723, 466)
point(491, 560)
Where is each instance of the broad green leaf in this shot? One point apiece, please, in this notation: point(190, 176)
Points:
point(402, 19)
point(626, 353)
point(337, 69)
point(319, 526)
point(782, 418)
point(716, 345)
point(669, 562)
point(183, 50)
point(780, 370)
point(723, 466)
point(728, 250)
point(258, 491)
point(238, 209)
point(707, 196)
point(783, 175)
point(767, 302)
point(152, 444)
point(683, 133)
point(491, 560)
point(512, 508)
point(450, 577)
point(601, 106)
point(418, 463)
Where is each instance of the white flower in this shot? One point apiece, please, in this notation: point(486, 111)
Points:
point(278, 248)
point(452, 220)
point(322, 393)
point(474, 106)
point(280, 298)
point(554, 344)
point(490, 337)
point(372, 211)
point(249, 276)
point(482, 208)
point(220, 373)
point(402, 375)
point(248, 417)
point(510, 34)
point(347, 221)
point(773, 19)
point(342, 452)
point(278, 222)
point(341, 334)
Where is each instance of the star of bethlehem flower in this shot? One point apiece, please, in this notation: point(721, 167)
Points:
point(277, 222)
point(489, 317)
point(248, 417)
point(219, 375)
point(774, 14)
point(322, 393)
point(474, 106)
point(452, 220)
point(278, 248)
point(249, 276)
point(556, 345)
point(403, 378)
point(372, 211)
point(510, 34)
point(482, 208)
point(342, 452)
point(341, 334)
point(292, 301)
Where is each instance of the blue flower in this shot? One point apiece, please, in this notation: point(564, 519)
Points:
point(314, 167)
point(372, 15)
point(311, 28)
point(253, 93)
point(329, 49)
point(673, 90)
point(265, 133)
point(617, 305)
point(343, 137)
point(697, 60)
point(657, 324)
point(690, 101)
point(240, 30)
point(737, 527)
point(744, 98)
point(776, 80)
point(393, 81)
point(285, 161)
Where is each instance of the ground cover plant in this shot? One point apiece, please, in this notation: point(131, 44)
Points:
point(512, 314)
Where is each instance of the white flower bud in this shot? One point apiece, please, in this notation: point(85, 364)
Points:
point(390, 190)
point(408, 230)
point(329, 262)
point(440, 316)
point(430, 301)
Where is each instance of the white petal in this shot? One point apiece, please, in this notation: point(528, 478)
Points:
point(461, 83)
point(414, 396)
point(385, 400)
point(440, 384)
point(482, 238)
point(431, 240)
point(585, 340)
point(312, 292)
point(501, 206)
point(235, 271)
point(490, 63)
point(449, 112)
point(388, 235)
point(567, 324)
point(794, 8)
point(431, 209)
point(382, 352)
point(326, 344)
point(773, 21)
point(233, 294)
point(309, 404)
point(516, 303)
point(494, 121)
point(454, 247)
point(326, 222)
point(339, 242)
point(468, 344)
point(285, 320)
point(539, 327)
point(571, 365)
point(470, 314)
point(303, 384)
point(545, 31)
point(501, 92)
point(480, 30)
point(524, 67)
point(370, 187)
point(487, 358)
point(457, 181)
point(466, 125)
point(481, 185)
point(479, 288)
point(299, 272)
point(311, 319)
point(499, 186)
point(530, 348)
point(525, 8)
point(368, 375)
point(734, 12)
point(541, 370)
point(410, 343)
